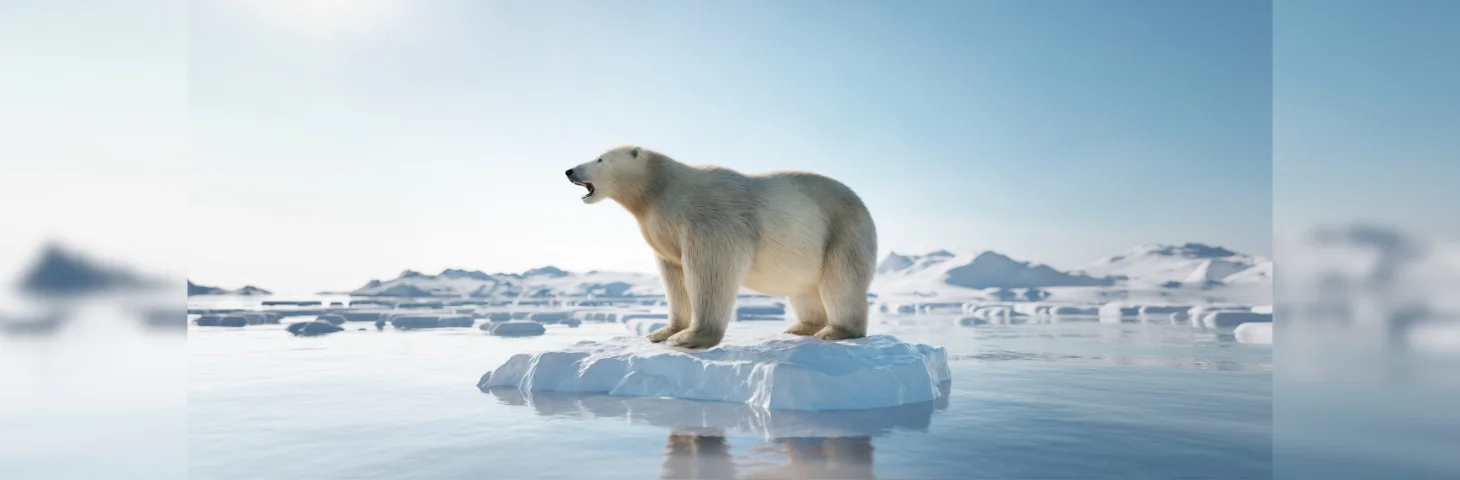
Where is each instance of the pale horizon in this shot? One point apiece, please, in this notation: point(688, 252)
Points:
point(206, 281)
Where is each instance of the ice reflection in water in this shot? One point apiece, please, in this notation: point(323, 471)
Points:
point(797, 444)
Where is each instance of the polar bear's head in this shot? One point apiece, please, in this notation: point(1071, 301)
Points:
point(615, 173)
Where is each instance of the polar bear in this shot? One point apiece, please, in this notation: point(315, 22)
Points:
point(799, 235)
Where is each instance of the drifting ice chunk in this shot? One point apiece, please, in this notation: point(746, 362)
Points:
point(362, 316)
point(213, 321)
point(1254, 333)
point(998, 314)
point(971, 321)
point(1229, 319)
point(1069, 311)
point(331, 318)
point(1156, 310)
point(1027, 309)
point(1200, 312)
point(309, 329)
point(514, 328)
point(432, 321)
point(238, 319)
point(786, 372)
point(465, 321)
point(592, 316)
point(550, 317)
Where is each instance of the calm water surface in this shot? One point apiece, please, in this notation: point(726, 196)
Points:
point(1061, 400)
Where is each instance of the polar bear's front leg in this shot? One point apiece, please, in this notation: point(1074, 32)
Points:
point(715, 264)
point(679, 302)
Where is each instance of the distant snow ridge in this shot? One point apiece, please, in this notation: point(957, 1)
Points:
point(195, 289)
point(535, 283)
point(1260, 273)
point(938, 274)
point(1215, 270)
point(786, 372)
point(894, 262)
point(1188, 250)
point(990, 270)
point(911, 263)
point(1188, 263)
point(981, 271)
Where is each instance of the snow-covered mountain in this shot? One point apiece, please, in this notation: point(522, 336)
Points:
point(1190, 271)
point(895, 263)
point(919, 273)
point(195, 289)
point(1260, 273)
point(1185, 264)
point(538, 282)
point(941, 273)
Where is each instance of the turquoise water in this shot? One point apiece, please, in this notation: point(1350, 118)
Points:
point(1056, 400)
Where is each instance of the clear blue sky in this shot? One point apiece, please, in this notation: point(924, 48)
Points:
point(335, 143)
point(1366, 114)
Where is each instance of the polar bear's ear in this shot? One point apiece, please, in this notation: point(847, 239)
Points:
point(634, 152)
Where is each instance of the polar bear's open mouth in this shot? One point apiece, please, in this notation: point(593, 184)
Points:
point(587, 185)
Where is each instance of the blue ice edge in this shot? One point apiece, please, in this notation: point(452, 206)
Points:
point(786, 372)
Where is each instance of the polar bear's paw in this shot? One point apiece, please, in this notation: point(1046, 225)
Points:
point(803, 328)
point(663, 333)
point(695, 339)
point(833, 332)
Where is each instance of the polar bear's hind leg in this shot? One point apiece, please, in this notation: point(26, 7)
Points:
point(810, 313)
point(850, 265)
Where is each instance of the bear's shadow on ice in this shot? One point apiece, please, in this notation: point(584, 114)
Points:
point(815, 444)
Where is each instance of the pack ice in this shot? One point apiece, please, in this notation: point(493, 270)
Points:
point(785, 372)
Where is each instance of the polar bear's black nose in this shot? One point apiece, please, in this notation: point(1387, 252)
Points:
point(570, 172)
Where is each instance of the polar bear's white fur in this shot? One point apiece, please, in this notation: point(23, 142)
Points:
point(794, 234)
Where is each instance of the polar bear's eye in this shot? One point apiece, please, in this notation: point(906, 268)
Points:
point(600, 160)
